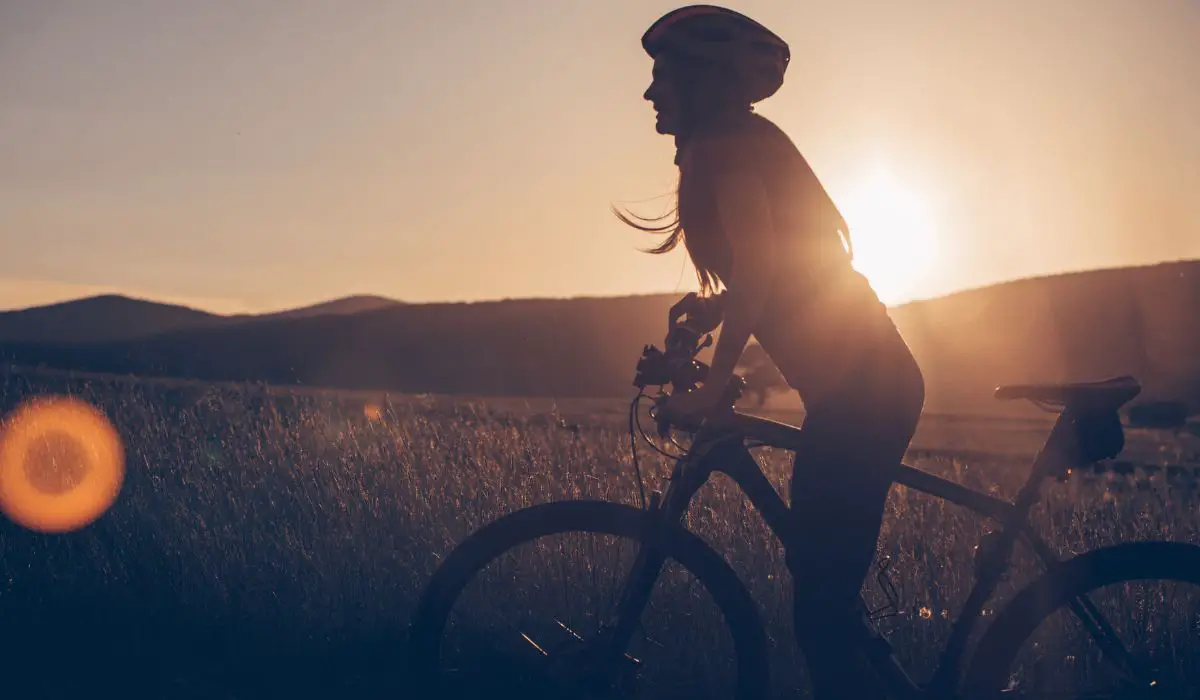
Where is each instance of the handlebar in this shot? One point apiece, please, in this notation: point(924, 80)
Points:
point(676, 366)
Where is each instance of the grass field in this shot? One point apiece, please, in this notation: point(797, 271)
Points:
point(272, 544)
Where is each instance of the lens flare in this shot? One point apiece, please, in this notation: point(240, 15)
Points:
point(61, 464)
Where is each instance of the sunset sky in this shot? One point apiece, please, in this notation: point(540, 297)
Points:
point(255, 155)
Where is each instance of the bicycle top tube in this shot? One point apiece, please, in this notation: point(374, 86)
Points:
point(784, 436)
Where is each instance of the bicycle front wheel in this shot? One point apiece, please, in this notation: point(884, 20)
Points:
point(560, 552)
point(1120, 622)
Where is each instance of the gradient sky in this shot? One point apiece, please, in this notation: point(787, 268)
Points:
point(254, 155)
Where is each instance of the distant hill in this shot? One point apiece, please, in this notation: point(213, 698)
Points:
point(575, 347)
point(1075, 326)
point(345, 305)
point(99, 319)
point(1071, 327)
point(112, 318)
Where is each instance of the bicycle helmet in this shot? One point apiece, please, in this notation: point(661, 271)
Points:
point(757, 57)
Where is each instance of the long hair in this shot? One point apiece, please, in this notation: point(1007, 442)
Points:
point(671, 225)
point(689, 77)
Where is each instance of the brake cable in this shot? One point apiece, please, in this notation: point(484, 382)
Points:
point(633, 446)
point(635, 429)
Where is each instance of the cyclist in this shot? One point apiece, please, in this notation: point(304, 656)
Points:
point(756, 222)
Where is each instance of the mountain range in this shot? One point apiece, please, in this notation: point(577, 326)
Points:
point(112, 317)
point(1074, 326)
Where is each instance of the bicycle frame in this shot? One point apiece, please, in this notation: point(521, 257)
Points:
point(722, 448)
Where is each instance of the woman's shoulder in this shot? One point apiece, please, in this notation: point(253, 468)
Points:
point(742, 142)
point(732, 142)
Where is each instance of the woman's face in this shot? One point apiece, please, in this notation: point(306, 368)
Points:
point(665, 96)
point(707, 88)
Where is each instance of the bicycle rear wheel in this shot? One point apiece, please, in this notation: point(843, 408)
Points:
point(1040, 647)
point(542, 659)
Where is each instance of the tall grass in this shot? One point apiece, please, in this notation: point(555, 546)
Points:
point(273, 544)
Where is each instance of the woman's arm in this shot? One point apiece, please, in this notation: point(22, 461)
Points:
point(745, 214)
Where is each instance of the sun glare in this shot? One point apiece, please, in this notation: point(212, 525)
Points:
point(893, 233)
point(61, 464)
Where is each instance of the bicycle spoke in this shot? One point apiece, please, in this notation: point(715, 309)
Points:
point(1106, 637)
point(535, 645)
point(1116, 642)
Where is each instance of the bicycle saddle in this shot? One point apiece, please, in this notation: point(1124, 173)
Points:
point(1108, 394)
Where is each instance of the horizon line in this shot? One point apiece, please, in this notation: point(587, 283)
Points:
point(577, 297)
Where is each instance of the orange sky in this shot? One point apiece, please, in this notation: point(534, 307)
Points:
point(256, 155)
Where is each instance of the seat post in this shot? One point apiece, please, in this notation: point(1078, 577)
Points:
point(995, 549)
point(1053, 459)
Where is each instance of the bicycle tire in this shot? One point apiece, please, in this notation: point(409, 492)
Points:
point(601, 517)
point(1128, 562)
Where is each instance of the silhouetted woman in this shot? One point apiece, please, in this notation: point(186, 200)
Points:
point(756, 221)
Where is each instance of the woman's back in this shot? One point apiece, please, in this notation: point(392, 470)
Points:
point(804, 215)
point(823, 317)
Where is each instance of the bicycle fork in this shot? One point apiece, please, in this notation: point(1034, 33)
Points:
point(665, 511)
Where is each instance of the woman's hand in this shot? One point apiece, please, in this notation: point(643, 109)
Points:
point(704, 314)
point(697, 403)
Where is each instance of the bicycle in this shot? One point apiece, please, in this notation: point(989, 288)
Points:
point(1087, 430)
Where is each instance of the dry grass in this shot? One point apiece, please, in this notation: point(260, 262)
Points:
point(271, 544)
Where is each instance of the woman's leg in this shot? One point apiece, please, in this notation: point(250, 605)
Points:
point(838, 506)
point(839, 490)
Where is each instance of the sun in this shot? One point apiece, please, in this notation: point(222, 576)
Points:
point(893, 233)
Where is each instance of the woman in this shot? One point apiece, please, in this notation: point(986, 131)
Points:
point(756, 221)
